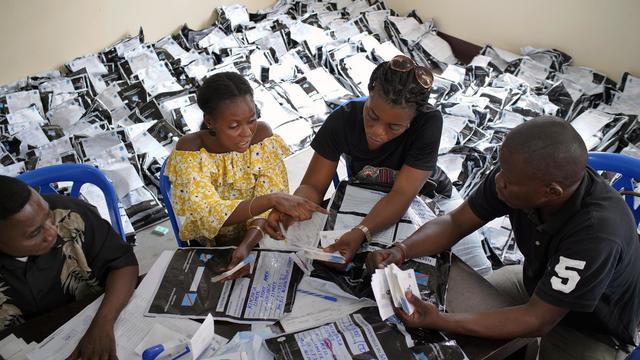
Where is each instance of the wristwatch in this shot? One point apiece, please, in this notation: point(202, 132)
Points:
point(365, 230)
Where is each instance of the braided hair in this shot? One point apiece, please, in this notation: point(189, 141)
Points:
point(219, 88)
point(400, 88)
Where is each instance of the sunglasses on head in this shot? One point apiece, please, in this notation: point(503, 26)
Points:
point(404, 63)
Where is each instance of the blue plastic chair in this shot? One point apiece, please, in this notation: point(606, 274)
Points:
point(628, 168)
point(336, 178)
point(165, 190)
point(634, 355)
point(42, 179)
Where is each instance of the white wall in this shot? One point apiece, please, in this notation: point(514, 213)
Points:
point(40, 35)
point(604, 35)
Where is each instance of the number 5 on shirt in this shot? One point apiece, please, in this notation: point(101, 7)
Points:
point(567, 279)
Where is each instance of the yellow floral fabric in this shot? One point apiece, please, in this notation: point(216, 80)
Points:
point(206, 187)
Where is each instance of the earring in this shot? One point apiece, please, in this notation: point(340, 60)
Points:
point(212, 132)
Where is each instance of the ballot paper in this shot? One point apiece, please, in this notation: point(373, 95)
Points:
point(329, 237)
point(15, 348)
point(187, 289)
point(320, 302)
point(301, 234)
point(235, 269)
point(389, 286)
point(319, 254)
point(130, 328)
point(361, 335)
point(350, 204)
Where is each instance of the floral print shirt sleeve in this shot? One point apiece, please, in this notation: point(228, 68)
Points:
point(270, 169)
point(206, 187)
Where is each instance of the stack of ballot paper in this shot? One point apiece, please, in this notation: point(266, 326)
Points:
point(15, 348)
point(235, 269)
point(389, 286)
point(318, 254)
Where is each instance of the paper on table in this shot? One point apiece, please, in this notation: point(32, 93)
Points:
point(11, 346)
point(310, 310)
point(348, 221)
point(130, 329)
point(329, 237)
point(22, 354)
point(304, 233)
point(359, 200)
point(160, 335)
point(318, 254)
point(202, 338)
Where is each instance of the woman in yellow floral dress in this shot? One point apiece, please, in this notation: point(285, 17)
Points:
point(227, 176)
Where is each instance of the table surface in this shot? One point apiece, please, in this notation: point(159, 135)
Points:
point(467, 292)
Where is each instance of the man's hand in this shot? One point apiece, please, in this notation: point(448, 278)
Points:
point(347, 245)
point(425, 314)
point(98, 342)
point(381, 258)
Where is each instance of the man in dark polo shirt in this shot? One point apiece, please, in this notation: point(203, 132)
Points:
point(55, 250)
point(579, 287)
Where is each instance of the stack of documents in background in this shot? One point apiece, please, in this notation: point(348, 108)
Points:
point(123, 108)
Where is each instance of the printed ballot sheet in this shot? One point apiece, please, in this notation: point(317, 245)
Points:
point(361, 335)
point(188, 289)
point(350, 204)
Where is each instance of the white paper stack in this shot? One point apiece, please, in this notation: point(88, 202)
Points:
point(235, 269)
point(318, 254)
point(389, 286)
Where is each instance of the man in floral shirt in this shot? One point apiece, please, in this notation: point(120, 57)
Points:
point(55, 250)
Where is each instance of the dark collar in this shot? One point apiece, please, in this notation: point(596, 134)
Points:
point(570, 208)
point(42, 262)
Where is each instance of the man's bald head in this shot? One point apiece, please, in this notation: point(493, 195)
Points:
point(550, 148)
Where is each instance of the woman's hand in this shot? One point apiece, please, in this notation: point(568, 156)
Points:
point(296, 207)
point(277, 221)
point(347, 245)
point(288, 209)
point(239, 254)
